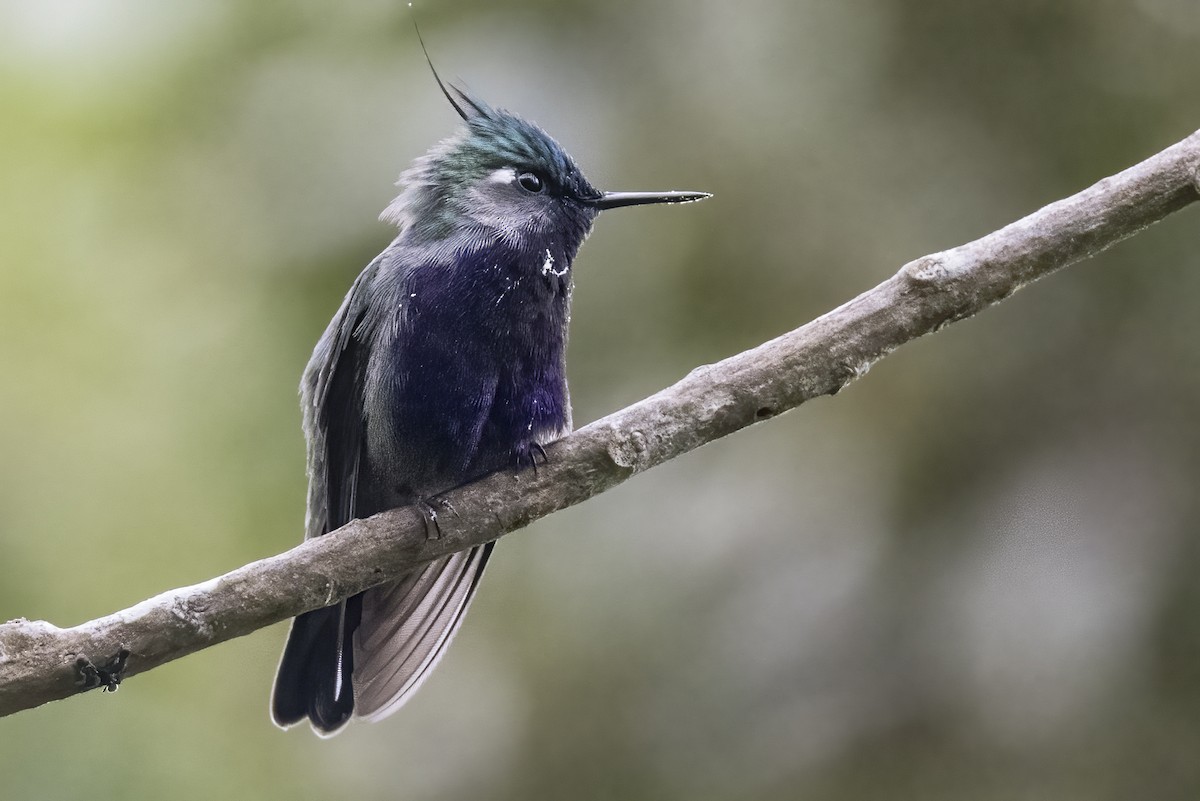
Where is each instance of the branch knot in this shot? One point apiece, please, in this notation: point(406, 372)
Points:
point(927, 271)
point(632, 452)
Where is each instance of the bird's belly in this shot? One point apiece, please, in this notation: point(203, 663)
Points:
point(461, 423)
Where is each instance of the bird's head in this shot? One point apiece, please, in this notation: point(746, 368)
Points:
point(501, 176)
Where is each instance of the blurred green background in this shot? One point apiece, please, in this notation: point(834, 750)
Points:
point(971, 575)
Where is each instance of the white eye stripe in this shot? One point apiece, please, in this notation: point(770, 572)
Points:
point(504, 175)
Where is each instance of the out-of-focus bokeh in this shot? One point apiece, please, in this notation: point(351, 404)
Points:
point(970, 575)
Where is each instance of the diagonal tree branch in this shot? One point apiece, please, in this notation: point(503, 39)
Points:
point(40, 662)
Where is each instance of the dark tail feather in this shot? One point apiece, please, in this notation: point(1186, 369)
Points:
point(307, 684)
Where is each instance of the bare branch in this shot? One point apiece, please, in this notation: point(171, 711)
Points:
point(40, 662)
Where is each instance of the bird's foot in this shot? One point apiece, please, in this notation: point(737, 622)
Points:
point(89, 676)
point(525, 455)
point(428, 508)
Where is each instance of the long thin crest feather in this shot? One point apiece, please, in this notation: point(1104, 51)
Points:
point(461, 112)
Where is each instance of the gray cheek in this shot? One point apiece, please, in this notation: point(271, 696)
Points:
point(498, 208)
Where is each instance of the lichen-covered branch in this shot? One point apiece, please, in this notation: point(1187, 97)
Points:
point(40, 662)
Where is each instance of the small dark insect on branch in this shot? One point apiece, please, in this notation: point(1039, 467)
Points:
point(107, 676)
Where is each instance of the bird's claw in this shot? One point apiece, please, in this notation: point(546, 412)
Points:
point(433, 531)
point(526, 456)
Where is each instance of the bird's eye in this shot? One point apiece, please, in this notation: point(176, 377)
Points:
point(531, 182)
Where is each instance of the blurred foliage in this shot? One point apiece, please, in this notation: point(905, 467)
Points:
point(971, 575)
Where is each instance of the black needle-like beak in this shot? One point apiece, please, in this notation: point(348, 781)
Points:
point(614, 200)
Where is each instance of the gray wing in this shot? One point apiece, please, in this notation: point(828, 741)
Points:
point(309, 682)
point(332, 399)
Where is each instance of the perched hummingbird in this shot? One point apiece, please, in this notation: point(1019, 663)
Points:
point(446, 361)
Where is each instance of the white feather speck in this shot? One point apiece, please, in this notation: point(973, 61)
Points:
point(548, 266)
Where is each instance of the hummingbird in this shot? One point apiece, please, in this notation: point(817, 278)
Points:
point(445, 361)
